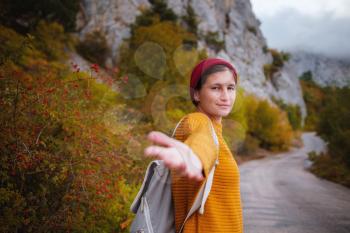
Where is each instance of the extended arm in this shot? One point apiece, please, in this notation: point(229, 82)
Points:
point(195, 156)
point(176, 155)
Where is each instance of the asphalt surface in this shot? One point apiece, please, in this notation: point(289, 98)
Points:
point(279, 195)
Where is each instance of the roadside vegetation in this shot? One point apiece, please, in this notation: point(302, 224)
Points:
point(328, 114)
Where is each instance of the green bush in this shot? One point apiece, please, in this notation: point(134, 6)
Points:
point(213, 41)
point(191, 20)
point(314, 97)
point(252, 29)
point(334, 124)
point(265, 49)
point(293, 113)
point(328, 114)
point(277, 63)
point(307, 77)
point(159, 11)
point(279, 57)
point(160, 7)
point(294, 116)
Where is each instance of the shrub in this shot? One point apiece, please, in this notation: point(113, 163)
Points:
point(334, 125)
point(48, 41)
point(249, 146)
point(265, 49)
point(252, 29)
point(279, 57)
point(269, 70)
point(330, 168)
point(62, 168)
point(94, 47)
point(12, 45)
point(293, 113)
point(154, 54)
point(314, 97)
point(147, 18)
point(307, 77)
point(277, 63)
point(294, 116)
point(160, 7)
point(191, 20)
point(24, 16)
point(235, 124)
point(51, 40)
point(159, 11)
point(268, 124)
point(213, 41)
point(328, 114)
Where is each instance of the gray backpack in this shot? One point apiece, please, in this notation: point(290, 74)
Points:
point(153, 204)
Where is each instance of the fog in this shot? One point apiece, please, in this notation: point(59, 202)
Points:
point(314, 26)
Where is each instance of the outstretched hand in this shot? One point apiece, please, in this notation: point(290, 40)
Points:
point(175, 154)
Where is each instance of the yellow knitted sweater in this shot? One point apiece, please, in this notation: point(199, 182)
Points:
point(223, 209)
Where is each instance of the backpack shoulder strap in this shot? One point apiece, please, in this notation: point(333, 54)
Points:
point(149, 173)
point(177, 125)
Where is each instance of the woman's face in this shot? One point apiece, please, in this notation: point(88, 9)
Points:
point(217, 95)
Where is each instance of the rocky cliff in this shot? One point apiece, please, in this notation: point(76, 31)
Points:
point(235, 24)
point(325, 71)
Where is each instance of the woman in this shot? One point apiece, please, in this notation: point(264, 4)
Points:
point(192, 153)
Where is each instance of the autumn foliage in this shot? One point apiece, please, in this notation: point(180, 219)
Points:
point(267, 126)
point(62, 168)
point(328, 114)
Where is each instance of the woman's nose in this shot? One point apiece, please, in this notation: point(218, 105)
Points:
point(225, 94)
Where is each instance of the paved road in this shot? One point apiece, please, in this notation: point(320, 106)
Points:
point(280, 196)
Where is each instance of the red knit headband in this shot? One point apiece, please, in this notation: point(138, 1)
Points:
point(203, 66)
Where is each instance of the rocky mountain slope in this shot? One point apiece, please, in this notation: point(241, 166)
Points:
point(235, 24)
point(325, 71)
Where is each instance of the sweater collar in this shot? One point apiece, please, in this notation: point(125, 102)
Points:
point(217, 125)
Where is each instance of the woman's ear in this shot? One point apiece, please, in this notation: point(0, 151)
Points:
point(196, 96)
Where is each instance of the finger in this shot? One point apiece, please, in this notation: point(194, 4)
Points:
point(195, 176)
point(199, 178)
point(192, 171)
point(170, 156)
point(183, 171)
point(154, 151)
point(179, 166)
point(174, 159)
point(191, 175)
point(162, 139)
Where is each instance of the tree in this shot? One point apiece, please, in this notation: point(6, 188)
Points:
point(24, 16)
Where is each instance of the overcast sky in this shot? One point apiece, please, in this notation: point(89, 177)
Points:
point(321, 26)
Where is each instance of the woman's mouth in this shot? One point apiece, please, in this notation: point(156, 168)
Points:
point(224, 106)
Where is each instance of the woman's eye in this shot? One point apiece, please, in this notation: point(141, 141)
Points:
point(214, 88)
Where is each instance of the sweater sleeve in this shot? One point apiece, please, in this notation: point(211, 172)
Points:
point(200, 139)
